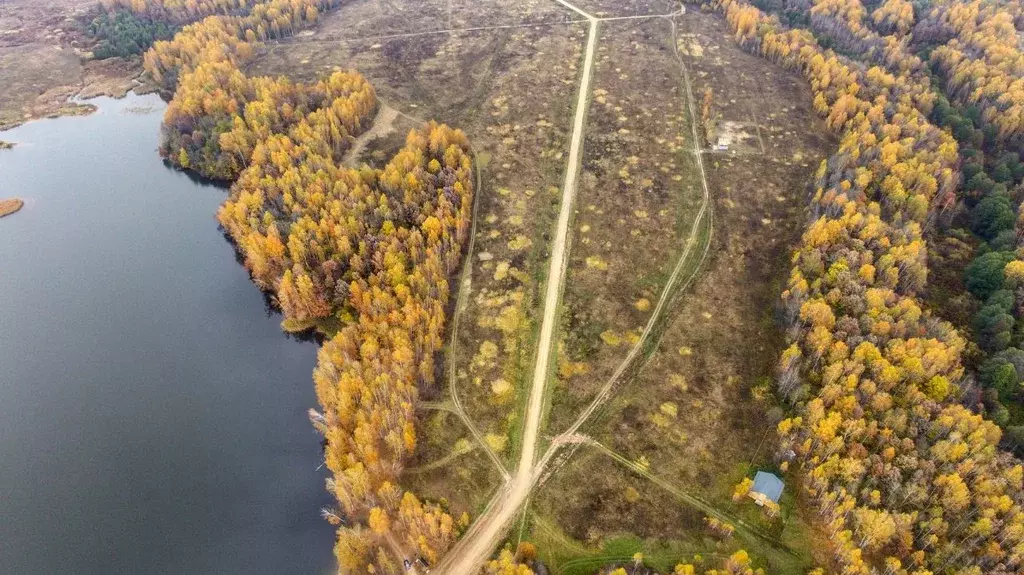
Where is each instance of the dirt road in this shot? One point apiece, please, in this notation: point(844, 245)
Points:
point(478, 543)
point(556, 271)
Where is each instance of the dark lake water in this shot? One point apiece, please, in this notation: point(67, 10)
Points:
point(152, 413)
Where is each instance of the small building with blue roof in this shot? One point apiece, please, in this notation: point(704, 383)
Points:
point(767, 487)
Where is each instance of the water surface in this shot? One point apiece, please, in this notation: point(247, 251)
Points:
point(152, 414)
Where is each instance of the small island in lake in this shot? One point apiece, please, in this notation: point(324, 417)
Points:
point(6, 145)
point(9, 206)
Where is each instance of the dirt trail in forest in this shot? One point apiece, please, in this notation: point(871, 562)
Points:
point(383, 124)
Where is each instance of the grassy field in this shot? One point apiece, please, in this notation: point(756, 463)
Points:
point(697, 412)
point(623, 512)
point(449, 466)
point(637, 204)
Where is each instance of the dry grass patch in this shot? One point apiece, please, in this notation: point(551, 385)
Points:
point(472, 13)
point(37, 81)
point(639, 195)
point(449, 466)
point(699, 410)
point(714, 363)
point(593, 498)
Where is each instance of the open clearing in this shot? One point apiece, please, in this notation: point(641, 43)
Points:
point(660, 338)
point(640, 194)
point(40, 67)
point(698, 412)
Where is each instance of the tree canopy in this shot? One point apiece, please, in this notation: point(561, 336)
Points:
point(905, 479)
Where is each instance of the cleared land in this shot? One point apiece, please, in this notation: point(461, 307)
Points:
point(640, 195)
point(627, 8)
point(381, 18)
point(696, 416)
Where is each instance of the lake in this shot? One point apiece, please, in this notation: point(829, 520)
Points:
point(152, 413)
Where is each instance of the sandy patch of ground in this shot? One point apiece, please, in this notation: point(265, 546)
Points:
point(9, 206)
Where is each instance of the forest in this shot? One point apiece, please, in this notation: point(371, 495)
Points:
point(125, 28)
point(364, 253)
point(905, 477)
point(123, 34)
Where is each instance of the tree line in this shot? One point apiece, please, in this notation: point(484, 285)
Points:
point(904, 478)
point(125, 28)
point(982, 62)
point(179, 12)
point(123, 34)
point(231, 39)
point(368, 251)
point(523, 562)
point(992, 171)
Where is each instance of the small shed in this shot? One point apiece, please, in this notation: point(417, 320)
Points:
point(767, 487)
